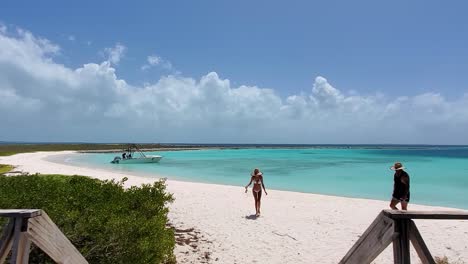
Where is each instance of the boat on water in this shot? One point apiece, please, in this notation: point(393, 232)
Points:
point(133, 155)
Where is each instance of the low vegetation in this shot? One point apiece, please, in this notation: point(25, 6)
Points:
point(444, 260)
point(441, 260)
point(5, 168)
point(105, 221)
point(11, 149)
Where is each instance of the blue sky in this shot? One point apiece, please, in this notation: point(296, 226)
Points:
point(366, 48)
point(397, 46)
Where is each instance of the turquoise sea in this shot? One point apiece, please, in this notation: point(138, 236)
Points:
point(439, 175)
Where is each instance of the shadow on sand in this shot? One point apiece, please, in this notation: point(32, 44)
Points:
point(251, 217)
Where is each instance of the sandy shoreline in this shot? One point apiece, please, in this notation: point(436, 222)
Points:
point(294, 227)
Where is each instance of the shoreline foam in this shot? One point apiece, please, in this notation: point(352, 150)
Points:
point(294, 227)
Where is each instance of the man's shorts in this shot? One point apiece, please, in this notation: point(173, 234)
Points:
point(401, 199)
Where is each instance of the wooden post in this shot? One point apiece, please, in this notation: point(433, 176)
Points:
point(21, 243)
point(401, 246)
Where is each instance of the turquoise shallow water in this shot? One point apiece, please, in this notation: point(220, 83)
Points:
point(439, 175)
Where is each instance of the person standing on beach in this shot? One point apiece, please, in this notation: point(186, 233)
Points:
point(257, 179)
point(401, 187)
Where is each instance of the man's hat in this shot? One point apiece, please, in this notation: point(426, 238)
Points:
point(397, 166)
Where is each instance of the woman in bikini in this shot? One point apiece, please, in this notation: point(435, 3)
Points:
point(257, 180)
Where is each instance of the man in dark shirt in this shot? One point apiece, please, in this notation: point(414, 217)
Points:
point(401, 187)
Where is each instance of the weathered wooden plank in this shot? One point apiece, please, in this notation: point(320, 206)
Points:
point(38, 237)
point(418, 244)
point(361, 238)
point(20, 212)
point(400, 214)
point(41, 235)
point(55, 246)
point(6, 240)
point(374, 240)
point(47, 236)
point(401, 246)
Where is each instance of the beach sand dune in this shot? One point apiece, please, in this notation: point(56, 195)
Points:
point(216, 223)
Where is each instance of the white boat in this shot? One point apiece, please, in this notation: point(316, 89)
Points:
point(128, 157)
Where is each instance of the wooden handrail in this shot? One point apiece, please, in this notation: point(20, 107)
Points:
point(34, 225)
point(442, 215)
point(25, 213)
point(399, 228)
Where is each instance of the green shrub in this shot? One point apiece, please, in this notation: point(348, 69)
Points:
point(441, 260)
point(107, 223)
point(445, 260)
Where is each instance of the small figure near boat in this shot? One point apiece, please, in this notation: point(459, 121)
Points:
point(257, 179)
point(128, 157)
point(401, 187)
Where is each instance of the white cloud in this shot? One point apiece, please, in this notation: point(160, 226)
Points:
point(155, 60)
point(325, 94)
point(115, 54)
point(3, 28)
point(71, 38)
point(42, 100)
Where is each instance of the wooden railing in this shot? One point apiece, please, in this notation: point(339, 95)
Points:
point(399, 228)
point(33, 225)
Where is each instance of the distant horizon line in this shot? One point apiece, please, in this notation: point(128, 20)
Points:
point(226, 144)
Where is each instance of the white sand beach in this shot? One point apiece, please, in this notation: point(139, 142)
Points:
point(294, 227)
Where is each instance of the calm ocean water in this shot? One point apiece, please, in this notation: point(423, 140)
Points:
point(439, 175)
